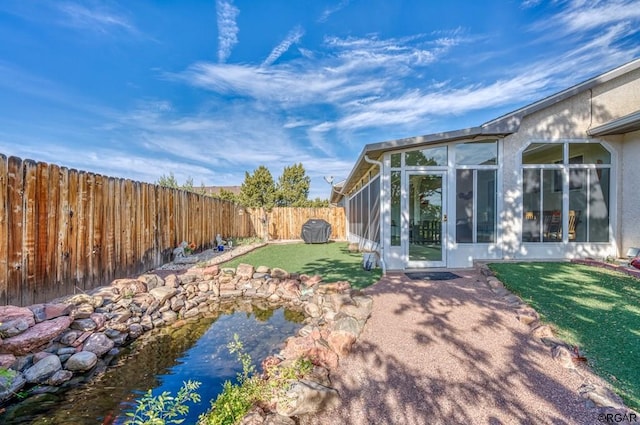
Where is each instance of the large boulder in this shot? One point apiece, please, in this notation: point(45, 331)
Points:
point(245, 271)
point(14, 327)
point(44, 312)
point(348, 324)
point(317, 350)
point(35, 336)
point(99, 344)
point(341, 342)
point(95, 300)
point(43, 370)
point(163, 293)
point(12, 317)
point(129, 287)
point(151, 280)
point(82, 361)
point(278, 273)
point(60, 377)
point(307, 397)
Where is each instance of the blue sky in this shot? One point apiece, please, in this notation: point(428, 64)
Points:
point(211, 89)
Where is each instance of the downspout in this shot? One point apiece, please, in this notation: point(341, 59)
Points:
point(381, 243)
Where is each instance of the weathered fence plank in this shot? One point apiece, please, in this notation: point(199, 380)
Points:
point(29, 170)
point(72, 278)
point(15, 225)
point(50, 245)
point(4, 230)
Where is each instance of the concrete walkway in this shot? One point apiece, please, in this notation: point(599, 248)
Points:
point(450, 352)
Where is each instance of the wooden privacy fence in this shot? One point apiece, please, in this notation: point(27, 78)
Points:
point(63, 231)
point(286, 222)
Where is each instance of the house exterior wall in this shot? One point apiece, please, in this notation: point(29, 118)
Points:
point(630, 192)
point(616, 98)
point(569, 120)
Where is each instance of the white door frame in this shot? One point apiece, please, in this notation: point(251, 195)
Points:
point(406, 225)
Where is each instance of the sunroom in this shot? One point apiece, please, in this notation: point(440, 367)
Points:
point(543, 182)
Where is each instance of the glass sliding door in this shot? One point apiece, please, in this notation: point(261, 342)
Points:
point(427, 218)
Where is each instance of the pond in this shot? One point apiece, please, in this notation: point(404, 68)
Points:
point(162, 361)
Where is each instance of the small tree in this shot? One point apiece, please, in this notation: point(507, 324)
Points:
point(259, 191)
point(293, 187)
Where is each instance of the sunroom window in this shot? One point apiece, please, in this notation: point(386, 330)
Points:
point(476, 172)
point(566, 190)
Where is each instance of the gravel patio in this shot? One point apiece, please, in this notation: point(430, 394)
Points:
point(439, 352)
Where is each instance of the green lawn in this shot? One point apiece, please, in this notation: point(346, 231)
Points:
point(593, 308)
point(332, 261)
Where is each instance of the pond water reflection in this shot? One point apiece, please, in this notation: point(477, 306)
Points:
point(162, 361)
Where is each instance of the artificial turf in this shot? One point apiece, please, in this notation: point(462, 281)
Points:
point(596, 309)
point(331, 260)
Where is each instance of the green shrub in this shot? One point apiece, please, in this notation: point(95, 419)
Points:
point(164, 408)
point(235, 400)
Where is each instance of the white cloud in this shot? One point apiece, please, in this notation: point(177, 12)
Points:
point(97, 19)
point(293, 37)
point(226, 14)
point(583, 16)
point(354, 68)
point(324, 16)
point(526, 4)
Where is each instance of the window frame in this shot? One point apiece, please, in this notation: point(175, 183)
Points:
point(563, 171)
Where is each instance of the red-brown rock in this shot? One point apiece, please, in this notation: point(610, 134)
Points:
point(10, 313)
point(245, 271)
point(341, 342)
point(44, 312)
point(311, 281)
point(334, 287)
point(211, 271)
point(317, 351)
point(6, 360)
point(129, 287)
point(35, 336)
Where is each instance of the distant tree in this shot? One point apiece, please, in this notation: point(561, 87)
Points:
point(317, 203)
point(258, 189)
point(172, 182)
point(188, 184)
point(168, 181)
point(293, 187)
point(226, 195)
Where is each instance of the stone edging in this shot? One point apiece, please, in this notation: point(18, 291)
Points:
point(596, 396)
point(76, 338)
point(629, 271)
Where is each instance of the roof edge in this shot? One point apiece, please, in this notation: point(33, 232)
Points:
point(622, 125)
point(427, 139)
point(511, 118)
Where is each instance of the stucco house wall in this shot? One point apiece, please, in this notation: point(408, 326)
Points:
point(570, 119)
point(630, 192)
point(616, 98)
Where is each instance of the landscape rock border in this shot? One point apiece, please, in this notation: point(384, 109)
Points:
point(596, 394)
point(76, 338)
